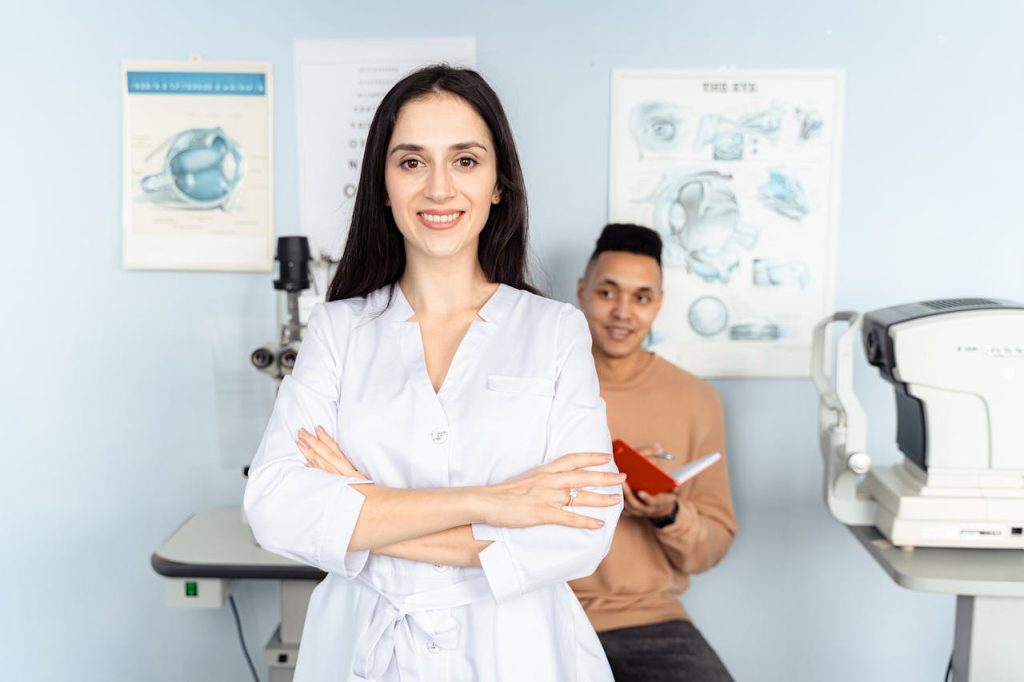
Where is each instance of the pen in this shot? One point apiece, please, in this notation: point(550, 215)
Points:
point(664, 455)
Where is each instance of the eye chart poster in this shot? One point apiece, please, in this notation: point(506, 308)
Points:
point(738, 171)
point(338, 85)
point(197, 168)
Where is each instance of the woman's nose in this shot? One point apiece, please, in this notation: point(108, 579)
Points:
point(439, 185)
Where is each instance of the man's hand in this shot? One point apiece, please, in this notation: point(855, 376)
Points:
point(642, 504)
point(647, 506)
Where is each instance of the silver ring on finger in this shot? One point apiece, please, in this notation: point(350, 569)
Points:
point(573, 493)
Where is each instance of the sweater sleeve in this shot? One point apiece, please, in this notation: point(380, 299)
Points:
point(705, 523)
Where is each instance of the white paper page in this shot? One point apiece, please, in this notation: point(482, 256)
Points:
point(688, 471)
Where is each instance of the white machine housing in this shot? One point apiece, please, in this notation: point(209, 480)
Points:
point(957, 367)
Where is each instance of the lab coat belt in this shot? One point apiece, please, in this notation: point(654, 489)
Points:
point(377, 645)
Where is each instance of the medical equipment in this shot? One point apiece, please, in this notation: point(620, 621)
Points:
point(957, 367)
point(277, 358)
point(203, 561)
point(203, 169)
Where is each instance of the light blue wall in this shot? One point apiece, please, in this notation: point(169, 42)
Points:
point(109, 412)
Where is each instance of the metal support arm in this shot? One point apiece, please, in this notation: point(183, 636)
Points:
point(841, 423)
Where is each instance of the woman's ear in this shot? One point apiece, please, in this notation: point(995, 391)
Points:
point(496, 197)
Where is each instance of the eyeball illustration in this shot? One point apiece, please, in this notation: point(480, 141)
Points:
point(656, 126)
point(698, 216)
point(202, 169)
point(708, 316)
point(784, 194)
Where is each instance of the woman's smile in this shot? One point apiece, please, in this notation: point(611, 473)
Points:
point(440, 219)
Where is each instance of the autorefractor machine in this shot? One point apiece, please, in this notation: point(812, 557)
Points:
point(957, 369)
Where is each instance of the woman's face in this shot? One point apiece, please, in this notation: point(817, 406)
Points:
point(441, 176)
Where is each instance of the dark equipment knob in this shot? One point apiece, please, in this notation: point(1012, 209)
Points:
point(293, 258)
point(874, 348)
point(288, 357)
point(262, 358)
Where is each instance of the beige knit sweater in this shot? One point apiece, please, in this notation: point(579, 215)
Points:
point(648, 568)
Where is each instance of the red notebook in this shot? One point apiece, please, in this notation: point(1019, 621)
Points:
point(643, 474)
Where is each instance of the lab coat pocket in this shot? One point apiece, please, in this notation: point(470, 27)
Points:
point(522, 405)
point(532, 385)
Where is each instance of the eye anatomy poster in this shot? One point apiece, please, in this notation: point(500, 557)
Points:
point(738, 171)
point(338, 85)
point(198, 191)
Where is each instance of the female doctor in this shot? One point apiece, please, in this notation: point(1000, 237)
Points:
point(437, 448)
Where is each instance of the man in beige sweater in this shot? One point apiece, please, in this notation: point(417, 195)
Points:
point(673, 417)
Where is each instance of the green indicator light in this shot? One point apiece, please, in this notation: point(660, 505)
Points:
point(191, 589)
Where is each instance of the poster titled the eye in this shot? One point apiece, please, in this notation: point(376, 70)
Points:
point(738, 172)
point(197, 192)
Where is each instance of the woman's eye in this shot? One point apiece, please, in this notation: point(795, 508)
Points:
point(466, 162)
point(411, 164)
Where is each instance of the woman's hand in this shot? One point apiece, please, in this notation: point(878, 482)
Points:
point(322, 452)
point(538, 496)
point(534, 498)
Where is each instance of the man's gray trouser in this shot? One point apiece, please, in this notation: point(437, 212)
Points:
point(674, 651)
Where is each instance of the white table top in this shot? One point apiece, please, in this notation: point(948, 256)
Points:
point(216, 544)
point(978, 572)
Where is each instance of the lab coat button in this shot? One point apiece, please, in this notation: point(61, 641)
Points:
point(439, 437)
point(439, 567)
point(433, 648)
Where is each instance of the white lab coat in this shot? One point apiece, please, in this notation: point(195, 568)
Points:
point(521, 390)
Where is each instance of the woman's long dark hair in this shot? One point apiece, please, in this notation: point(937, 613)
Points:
point(374, 254)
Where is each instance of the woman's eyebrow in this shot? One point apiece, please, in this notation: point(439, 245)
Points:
point(406, 148)
point(461, 146)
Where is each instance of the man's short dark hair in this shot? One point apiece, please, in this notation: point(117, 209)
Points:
point(629, 238)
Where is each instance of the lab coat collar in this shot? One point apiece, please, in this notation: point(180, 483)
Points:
point(499, 304)
point(397, 310)
point(495, 309)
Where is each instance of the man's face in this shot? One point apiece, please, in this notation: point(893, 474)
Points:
point(620, 296)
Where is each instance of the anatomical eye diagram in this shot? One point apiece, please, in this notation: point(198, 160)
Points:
point(698, 216)
point(656, 126)
point(737, 172)
point(203, 168)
